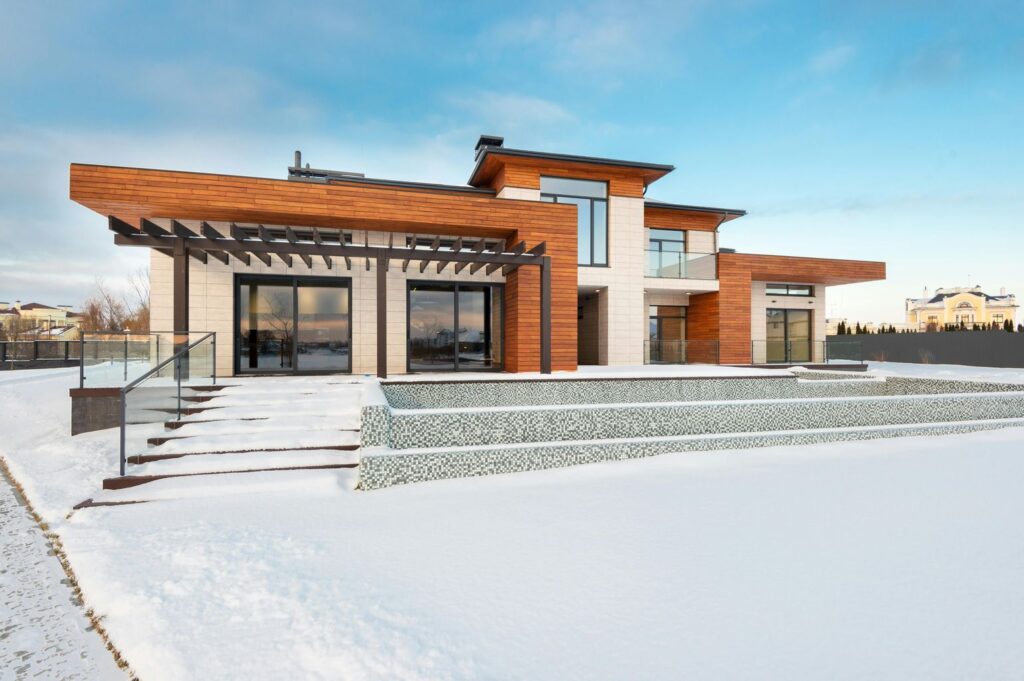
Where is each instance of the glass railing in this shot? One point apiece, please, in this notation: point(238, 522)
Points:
point(677, 265)
point(681, 352)
point(111, 360)
point(806, 352)
point(17, 354)
point(164, 393)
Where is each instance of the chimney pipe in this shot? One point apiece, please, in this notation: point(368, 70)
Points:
point(298, 159)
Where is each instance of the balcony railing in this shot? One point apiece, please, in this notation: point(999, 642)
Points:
point(833, 351)
point(681, 352)
point(678, 265)
point(113, 359)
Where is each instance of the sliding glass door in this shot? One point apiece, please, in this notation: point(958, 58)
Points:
point(454, 327)
point(292, 325)
point(788, 336)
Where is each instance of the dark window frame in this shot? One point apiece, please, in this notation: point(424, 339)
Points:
point(789, 292)
point(455, 285)
point(295, 281)
point(591, 199)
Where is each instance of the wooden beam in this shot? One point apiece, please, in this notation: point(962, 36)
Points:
point(238, 235)
point(517, 250)
point(292, 239)
point(455, 249)
point(320, 242)
point(434, 246)
point(266, 238)
point(120, 226)
point(477, 250)
point(537, 250)
point(210, 233)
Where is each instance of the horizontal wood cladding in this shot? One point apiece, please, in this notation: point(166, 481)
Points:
point(131, 193)
point(670, 218)
point(726, 315)
point(522, 305)
point(512, 171)
point(785, 268)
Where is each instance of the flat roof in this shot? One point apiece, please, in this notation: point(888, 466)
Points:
point(699, 209)
point(316, 175)
point(568, 158)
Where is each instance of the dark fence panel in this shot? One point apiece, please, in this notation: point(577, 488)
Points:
point(972, 348)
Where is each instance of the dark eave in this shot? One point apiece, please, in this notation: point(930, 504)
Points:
point(565, 158)
point(728, 213)
point(319, 176)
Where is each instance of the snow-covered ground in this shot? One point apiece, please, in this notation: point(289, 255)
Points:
point(894, 559)
point(954, 372)
point(43, 631)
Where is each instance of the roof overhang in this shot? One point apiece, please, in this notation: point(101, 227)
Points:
point(725, 214)
point(796, 269)
point(490, 159)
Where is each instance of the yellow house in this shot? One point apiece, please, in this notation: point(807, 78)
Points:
point(960, 305)
point(38, 320)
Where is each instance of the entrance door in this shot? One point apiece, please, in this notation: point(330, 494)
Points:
point(454, 327)
point(292, 325)
point(788, 337)
point(666, 334)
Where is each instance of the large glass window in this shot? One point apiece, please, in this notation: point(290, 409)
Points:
point(293, 324)
point(591, 201)
point(788, 336)
point(665, 249)
point(666, 331)
point(789, 290)
point(454, 326)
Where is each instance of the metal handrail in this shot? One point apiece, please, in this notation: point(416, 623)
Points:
point(82, 340)
point(176, 358)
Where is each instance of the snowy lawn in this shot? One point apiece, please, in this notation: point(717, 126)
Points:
point(897, 559)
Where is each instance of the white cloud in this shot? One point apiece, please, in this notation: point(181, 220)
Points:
point(505, 111)
point(832, 59)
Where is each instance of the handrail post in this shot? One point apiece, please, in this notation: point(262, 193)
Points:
point(213, 367)
point(81, 360)
point(126, 357)
point(124, 425)
point(177, 379)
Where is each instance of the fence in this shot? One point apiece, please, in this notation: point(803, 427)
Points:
point(971, 348)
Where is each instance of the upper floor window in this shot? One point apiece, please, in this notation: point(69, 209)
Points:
point(789, 290)
point(665, 249)
point(591, 201)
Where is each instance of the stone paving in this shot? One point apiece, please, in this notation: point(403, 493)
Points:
point(43, 630)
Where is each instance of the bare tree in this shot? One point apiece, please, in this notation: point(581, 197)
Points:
point(137, 301)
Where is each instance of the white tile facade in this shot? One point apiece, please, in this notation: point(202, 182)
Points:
point(211, 299)
point(760, 302)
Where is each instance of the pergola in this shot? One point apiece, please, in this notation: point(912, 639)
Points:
point(244, 242)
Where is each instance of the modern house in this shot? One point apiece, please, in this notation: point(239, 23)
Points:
point(542, 261)
point(965, 306)
point(36, 320)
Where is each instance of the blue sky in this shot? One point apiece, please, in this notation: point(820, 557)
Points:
point(876, 130)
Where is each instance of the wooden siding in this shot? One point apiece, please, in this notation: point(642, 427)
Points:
point(726, 315)
point(132, 193)
point(670, 218)
point(514, 171)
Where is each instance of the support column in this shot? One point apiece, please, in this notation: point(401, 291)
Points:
point(545, 314)
point(382, 316)
point(181, 327)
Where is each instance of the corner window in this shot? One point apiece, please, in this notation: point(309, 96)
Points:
point(789, 290)
point(591, 201)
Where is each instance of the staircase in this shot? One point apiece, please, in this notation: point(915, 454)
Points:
point(252, 425)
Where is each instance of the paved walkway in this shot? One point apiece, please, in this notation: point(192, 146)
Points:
point(43, 631)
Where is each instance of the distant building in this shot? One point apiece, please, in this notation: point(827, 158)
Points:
point(39, 321)
point(960, 305)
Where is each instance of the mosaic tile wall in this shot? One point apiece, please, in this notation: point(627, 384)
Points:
point(456, 428)
point(442, 395)
point(385, 470)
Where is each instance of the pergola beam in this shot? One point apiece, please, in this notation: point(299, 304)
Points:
point(434, 246)
point(320, 242)
point(292, 239)
point(238, 235)
point(517, 249)
point(477, 249)
point(210, 233)
point(285, 256)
